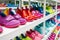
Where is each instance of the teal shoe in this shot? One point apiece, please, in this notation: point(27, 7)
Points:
point(39, 29)
point(51, 24)
point(47, 24)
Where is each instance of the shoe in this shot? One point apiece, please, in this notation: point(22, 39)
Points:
point(52, 36)
point(41, 9)
point(8, 21)
point(2, 5)
point(55, 31)
point(17, 38)
point(28, 38)
point(38, 29)
point(1, 29)
point(50, 10)
point(23, 37)
point(36, 13)
point(33, 36)
point(6, 11)
point(36, 33)
point(29, 13)
point(17, 16)
point(11, 5)
point(24, 14)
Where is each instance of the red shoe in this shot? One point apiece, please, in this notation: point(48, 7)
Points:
point(24, 14)
point(30, 13)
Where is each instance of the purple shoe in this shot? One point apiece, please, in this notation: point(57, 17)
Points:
point(17, 16)
point(8, 21)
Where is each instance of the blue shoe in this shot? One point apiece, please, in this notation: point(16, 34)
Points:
point(11, 5)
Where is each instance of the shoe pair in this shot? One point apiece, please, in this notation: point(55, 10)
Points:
point(49, 24)
point(24, 14)
point(22, 37)
point(50, 9)
point(17, 16)
point(10, 21)
point(34, 35)
point(39, 29)
point(36, 13)
point(52, 36)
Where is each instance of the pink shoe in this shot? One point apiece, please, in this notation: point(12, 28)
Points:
point(37, 14)
point(33, 36)
point(8, 21)
point(37, 33)
point(17, 16)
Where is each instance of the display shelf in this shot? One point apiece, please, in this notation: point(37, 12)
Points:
point(56, 1)
point(51, 30)
point(8, 7)
point(11, 33)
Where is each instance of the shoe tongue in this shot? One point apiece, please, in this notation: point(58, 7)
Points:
point(11, 12)
point(18, 9)
point(26, 7)
point(17, 38)
point(14, 11)
point(23, 36)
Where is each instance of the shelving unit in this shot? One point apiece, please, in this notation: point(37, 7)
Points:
point(16, 31)
point(11, 33)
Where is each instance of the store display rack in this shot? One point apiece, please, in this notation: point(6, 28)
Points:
point(11, 33)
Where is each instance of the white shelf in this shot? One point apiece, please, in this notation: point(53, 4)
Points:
point(51, 30)
point(8, 7)
point(56, 1)
point(11, 33)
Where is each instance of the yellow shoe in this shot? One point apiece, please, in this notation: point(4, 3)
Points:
point(6, 12)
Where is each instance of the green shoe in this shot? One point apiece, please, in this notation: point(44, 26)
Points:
point(22, 37)
point(17, 38)
point(28, 38)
